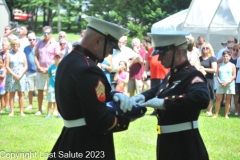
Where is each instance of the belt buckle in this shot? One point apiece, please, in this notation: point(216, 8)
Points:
point(158, 129)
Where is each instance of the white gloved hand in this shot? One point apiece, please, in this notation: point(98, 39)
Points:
point(138, 98)
point(156, 103)
point(125, 102)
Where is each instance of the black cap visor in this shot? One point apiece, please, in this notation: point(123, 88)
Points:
point(161, 50)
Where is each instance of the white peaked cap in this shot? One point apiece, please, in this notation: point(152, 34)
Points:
point(167, 38)
point(163, 41)
point(106, 27)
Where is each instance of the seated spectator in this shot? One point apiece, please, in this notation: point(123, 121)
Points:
point(225, 74)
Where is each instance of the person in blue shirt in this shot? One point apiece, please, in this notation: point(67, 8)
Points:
point(51, 83)
point(31, 70)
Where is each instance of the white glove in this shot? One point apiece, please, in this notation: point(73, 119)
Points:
point(156, 103)
point(125, 102)
point(138, 98)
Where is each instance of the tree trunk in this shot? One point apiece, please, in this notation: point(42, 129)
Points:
point(35, 19)
point(69, 21)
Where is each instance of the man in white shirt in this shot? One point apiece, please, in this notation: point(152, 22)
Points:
point(125, 54)
point(24, 42)
point(230, 40)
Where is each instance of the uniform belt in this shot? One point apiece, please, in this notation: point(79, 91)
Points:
point(177, 127)
point(74, 123)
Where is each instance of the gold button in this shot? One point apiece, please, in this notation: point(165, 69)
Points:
point(166, 97)
point(124, 126)
point(161, 90)
point(175, 70)
point(169, 77)
point(118, 125)
point(180, 96)
point(167, 85)
point(173, 97)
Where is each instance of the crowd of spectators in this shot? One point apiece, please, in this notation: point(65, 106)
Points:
point(27, 62)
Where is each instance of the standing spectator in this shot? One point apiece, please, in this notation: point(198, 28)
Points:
point(63, 35)
point(136, 69)
point(193, 55)
point(51, 86)
point(225, 74)
point(82, 35)
point(9, 33)
point(201, 40)
point(146, 43)
point(44, 54)
point(23, 38)
point(237, 107)
point(2, 83)
point(106, 67)
point(63, 49)
point(5, 51)
point(16, 64)
point(231, 40)
point(122, 77)
point(209, 65)
point(31, 71)
point(124, 54)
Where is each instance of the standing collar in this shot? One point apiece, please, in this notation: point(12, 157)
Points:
point(180, 66)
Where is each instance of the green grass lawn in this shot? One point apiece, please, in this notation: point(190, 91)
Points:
point(37, 135)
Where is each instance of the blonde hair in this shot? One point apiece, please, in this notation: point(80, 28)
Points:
point(211, 52)
point(15, 41)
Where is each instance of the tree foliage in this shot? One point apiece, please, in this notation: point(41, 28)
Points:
point(136, 15)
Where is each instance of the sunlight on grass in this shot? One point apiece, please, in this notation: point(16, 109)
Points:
point(38, 135)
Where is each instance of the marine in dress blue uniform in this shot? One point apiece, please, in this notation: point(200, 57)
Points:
point(178, 100)
point(82, 91)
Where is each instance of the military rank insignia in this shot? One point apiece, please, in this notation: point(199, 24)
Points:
point(100, 91)
point(197, 79)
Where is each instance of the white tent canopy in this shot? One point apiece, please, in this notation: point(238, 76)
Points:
point(217, 19)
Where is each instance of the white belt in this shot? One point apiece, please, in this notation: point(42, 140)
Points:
point(74, 123)
point(177, 127)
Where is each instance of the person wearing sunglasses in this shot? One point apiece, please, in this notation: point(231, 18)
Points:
point(32, 69)
point(63, 49)
point(63, 35)
point(209, 65)
point(178, 100)
point(44, 54)
point(82, 90)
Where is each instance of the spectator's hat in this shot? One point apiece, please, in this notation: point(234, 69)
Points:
point(136, 111)
point(224, 42)
point(112, 31)
point(57, 54)
point(164, 41)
